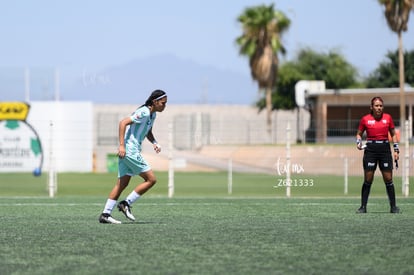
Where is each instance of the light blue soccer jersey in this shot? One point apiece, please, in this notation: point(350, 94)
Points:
point(142, 122)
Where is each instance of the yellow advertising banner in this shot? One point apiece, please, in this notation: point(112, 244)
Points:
point(14, 110)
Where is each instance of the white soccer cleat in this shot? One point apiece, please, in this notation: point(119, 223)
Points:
point(107, 218)
point(124, 207)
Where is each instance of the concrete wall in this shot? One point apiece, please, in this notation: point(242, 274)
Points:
point(195, 126)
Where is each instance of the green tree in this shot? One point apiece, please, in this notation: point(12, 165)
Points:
point(260, 41)
point(386, 75)
point(331, 67)
point(397, 13)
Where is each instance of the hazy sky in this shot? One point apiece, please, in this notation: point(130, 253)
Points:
point(90, 34)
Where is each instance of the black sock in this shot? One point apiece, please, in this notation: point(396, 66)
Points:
point(366, 188)
point(391, 193)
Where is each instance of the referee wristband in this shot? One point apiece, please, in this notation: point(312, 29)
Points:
point(396, 148)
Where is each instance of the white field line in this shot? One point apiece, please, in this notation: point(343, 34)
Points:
point(181, 204)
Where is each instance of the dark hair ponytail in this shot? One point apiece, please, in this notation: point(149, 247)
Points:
point(155, 95)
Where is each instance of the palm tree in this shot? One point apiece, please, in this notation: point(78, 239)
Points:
point(397, 13)
point(261, 42)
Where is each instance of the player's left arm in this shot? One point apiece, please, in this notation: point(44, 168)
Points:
point(395, 143)
point(151, 138)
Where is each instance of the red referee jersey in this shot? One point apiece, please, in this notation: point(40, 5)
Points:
point(376, 129)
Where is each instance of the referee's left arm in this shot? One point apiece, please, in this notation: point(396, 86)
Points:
point(395, 144)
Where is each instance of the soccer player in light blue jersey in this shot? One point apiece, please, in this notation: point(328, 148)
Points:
point(132, 132)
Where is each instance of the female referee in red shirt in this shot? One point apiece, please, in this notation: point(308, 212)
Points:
point(377, 125)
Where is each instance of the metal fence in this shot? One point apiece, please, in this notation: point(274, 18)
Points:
point(192, 131)
point(210, 140)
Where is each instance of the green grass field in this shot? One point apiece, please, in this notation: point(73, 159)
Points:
point(203, 229)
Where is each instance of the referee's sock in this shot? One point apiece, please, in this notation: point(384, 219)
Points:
point(366, 188)
point(391, 193)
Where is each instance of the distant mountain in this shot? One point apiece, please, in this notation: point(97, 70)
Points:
point(185, 81)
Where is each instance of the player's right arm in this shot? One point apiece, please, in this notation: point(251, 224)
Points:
point(360, 131)
point(358, 139)
point(122, 128)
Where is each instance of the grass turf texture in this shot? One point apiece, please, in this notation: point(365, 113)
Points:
point(206, 236)
point(195, 184)
point(203, 230)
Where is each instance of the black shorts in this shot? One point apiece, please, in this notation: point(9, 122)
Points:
point(377, 154)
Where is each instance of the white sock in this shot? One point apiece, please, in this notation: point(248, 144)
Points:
point(109, 206)
point(132, 197)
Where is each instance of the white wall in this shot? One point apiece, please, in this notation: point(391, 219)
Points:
point(66, 133)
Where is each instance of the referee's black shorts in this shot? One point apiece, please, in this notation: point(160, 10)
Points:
point(377, 154)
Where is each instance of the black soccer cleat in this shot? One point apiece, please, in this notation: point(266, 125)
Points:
point(107, 218)
point(124, 207)
point(395, 210)
point(361, 210)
